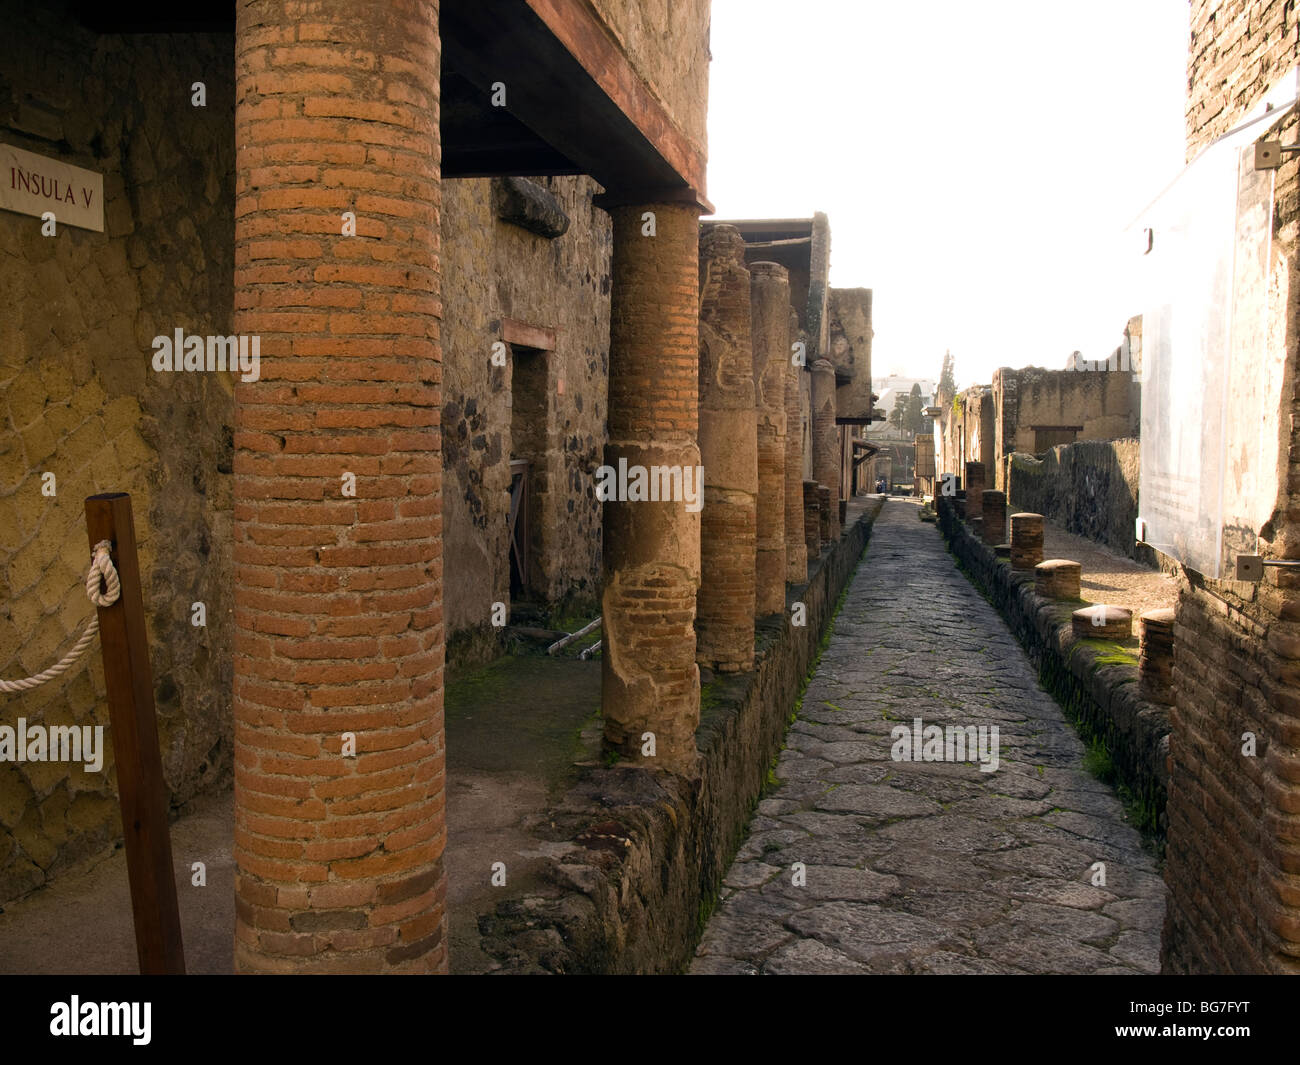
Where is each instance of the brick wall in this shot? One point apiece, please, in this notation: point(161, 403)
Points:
point(1233, 860)
point(80, 400)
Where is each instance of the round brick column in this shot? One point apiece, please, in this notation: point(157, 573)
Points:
point(994, 513)
point(812, 522)
point(650, 681)
point(770, 293)
point(825, 438)
point(729, 452)
point(796, 551)
point(1156, 655)
point(974, 491)
point(1026, 540)
point(337, 480)
point(1058, 578)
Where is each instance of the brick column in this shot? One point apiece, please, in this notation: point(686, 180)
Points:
point(770, 293)
point(1156, 655)
point(796, 551)
point(825, 438)
point(812, 522)
point(729, 452)
point(1026, 540)
point(975, 490)
point(994, 507)
point(337, 535)
point(652, 549)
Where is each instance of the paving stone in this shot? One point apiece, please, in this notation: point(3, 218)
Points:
point(750, 874)
point(932, 867)
point(870, 933)
point(1141, 950)
point(945, 963)
point(834, 883)
point(808, 957)
point(877, 800)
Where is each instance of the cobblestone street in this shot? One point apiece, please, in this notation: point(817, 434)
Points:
point(932, 866)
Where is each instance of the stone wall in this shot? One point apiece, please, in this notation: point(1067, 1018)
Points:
point(850, 350)
point(546, 406)
point(652, 33)
point(1233, 859)
point(1103, 404)
point(1089, 488)
point(81, 401)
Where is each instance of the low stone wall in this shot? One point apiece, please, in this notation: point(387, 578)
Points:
point(1095, 682)
point(1089, 488)
point(645, 852)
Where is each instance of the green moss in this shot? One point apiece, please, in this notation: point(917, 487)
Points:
point(1107, 653)
point(1098, 762)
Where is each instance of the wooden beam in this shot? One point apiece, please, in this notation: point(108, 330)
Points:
point(141, 788)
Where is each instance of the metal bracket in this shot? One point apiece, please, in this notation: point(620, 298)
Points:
point(1251, 567)
point(1268, 154)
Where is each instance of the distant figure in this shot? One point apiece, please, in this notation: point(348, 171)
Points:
point(880, 484)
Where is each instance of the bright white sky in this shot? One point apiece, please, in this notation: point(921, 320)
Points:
point(978, 161)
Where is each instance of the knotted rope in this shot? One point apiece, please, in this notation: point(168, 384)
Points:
point(103, 588)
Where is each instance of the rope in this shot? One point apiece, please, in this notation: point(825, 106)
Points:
point(101, 572)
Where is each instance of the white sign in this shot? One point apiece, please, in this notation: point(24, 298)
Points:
point(32, 184)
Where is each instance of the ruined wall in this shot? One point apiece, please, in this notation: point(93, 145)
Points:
point(493, 270)
point(651, 34)
point(1233, 859)
point(850, 350)
point(1105, 403)
point(1089, 488)
point(81, 400)
point(978, 437)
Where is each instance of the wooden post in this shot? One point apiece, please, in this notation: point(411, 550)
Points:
point(143, 794)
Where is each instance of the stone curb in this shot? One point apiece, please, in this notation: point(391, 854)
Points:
point(1105, 695)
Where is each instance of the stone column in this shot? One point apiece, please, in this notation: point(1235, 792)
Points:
point(812, 522)
point(796, 551)
point(729, 452)
point(339, 756)
point(650, 681)
point(770, 294)
point(825, 438)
